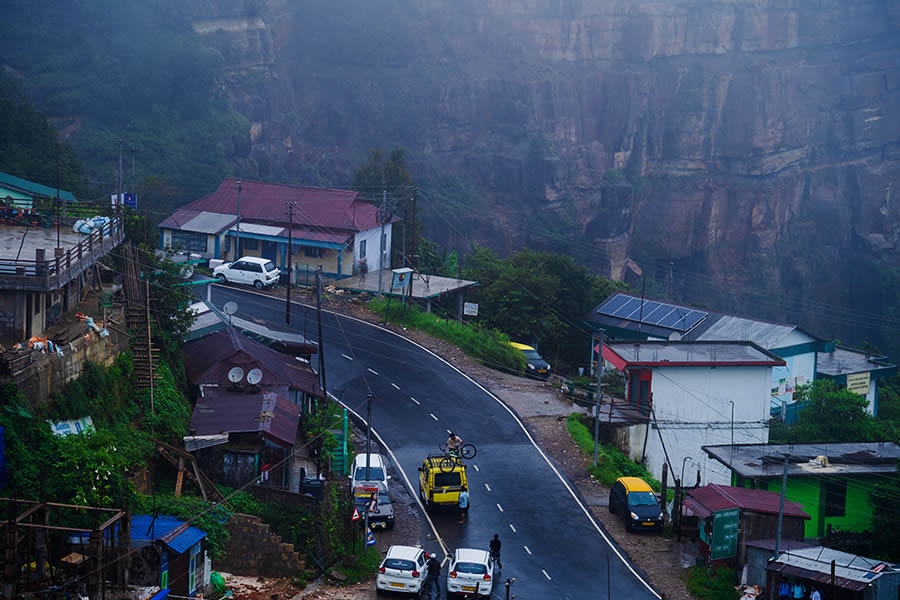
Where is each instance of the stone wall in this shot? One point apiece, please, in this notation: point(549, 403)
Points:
point(255, 551)
point(48, 373)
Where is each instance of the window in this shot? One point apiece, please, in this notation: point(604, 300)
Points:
point(472, 568)
point(253, 267)
point(834, 493)
point(227, 243)
point(270, 266)
point(362, 249)
point(312, 252)
point(399, 564)
point(189, 241)
point(250, 244)
point(446, 479)
point(374, 474)
point(641, 499)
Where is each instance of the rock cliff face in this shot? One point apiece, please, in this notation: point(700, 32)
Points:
point(743, 153)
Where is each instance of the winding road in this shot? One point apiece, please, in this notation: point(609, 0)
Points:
point(551, 544)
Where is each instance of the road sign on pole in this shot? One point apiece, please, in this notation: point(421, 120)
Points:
point(355, 516)
point(370, 538)
point(725, 533)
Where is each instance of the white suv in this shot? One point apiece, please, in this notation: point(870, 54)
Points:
point(258, 272)
point(402, 570)
point(377, 471)
point(471, 572)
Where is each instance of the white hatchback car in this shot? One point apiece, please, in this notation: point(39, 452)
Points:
point(377, 471)
point(402, 570)
point(250, 270)
point(471, 572)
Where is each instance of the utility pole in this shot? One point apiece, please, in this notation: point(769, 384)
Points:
point(57, 196)
point(780, 518)
point(119, 181)
point(237, 241)
point(132, 175)
point(319, 318)
point(149, 339)
point(597, 411)
point(382, 213)
point(287, 306)
point(414, 228)
point(368, 452)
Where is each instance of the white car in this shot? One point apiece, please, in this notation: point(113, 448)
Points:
point(471, 572)
point(377, 471)
point(250, 270)
point(402, 570)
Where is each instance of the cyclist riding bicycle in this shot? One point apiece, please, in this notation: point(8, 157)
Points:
point(453, 444)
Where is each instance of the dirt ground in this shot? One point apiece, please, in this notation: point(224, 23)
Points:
point(543, 409)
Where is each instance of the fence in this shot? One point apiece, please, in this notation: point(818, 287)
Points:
point(48, 273)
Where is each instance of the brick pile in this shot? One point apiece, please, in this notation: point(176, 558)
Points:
point(255, 550)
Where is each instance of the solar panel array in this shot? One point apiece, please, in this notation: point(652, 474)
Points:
point(670, 316)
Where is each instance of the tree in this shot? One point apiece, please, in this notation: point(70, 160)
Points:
point(389, 174)
point(537, 297)
point(832, 414)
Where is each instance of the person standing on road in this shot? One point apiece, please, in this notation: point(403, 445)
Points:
point(495, 550)
point(433, 578)
point(463, 505)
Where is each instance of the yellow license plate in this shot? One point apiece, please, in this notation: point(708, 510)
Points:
point(651, 524)
point(399, 585)
point(468, 589)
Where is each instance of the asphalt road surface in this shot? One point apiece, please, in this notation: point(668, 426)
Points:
point(550, 544)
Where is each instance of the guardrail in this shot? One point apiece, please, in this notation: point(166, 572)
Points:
point(46, 273)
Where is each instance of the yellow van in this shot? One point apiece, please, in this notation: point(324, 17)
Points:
point(440, 482)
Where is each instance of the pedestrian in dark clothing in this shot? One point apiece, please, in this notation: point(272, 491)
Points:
point(432, 579)
point(495, 549)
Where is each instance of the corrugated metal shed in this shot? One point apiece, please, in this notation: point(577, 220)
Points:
point(146, 528)
point(222, 410)
point(851, 571)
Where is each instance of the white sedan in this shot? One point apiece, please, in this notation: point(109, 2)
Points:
point(402, 570)
point(250, 270)
point(471, 572)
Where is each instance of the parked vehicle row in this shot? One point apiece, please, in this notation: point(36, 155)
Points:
point(470, 572)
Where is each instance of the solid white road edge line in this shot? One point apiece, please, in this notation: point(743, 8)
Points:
point(584, 509)
point(412, 492)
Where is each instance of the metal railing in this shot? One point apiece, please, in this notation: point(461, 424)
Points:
point(46, 273)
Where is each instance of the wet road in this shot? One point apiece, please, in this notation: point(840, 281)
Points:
point(550, 544)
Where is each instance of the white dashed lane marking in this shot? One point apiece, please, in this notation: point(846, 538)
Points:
point(546, 575)
point(347, 357)
point(416, 401)
point(527, 550)
point(500, 507)
point(373, 372)
point(513, 528)
point(396, 387)
point(487, 487)
point(433, 417)
point(476, 467)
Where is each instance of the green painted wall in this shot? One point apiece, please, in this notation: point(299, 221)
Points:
point(807, 491)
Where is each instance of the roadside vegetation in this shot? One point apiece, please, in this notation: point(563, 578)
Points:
point(722, 581)
point(488, 346)
point(611, 463)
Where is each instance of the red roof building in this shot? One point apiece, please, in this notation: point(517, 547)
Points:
point(331, 228)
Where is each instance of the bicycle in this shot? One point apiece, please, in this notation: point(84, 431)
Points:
point(450, 459)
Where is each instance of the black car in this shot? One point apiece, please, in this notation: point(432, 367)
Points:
point(636, 502)
point(383, 515)
point(536, 366)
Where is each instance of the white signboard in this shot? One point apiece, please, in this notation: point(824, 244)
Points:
point(470, 309)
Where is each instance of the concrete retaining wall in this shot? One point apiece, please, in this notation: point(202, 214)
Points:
point(255, 551)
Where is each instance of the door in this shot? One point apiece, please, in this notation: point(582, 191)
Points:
point(268, 250)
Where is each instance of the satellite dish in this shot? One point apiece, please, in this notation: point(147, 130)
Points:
point(187, 271)
point(254, 376)
point(230, 308)
point(674, 336)
point(235, 374)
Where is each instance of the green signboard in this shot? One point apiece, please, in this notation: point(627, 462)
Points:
point(725, 533)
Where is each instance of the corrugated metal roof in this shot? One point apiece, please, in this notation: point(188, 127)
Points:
point(207, 360)
point(710, 498)
point(764, 334)
point(817, 559)
point(661, 353)
point(842, 361)
point(258, 229)
point(222, 410)
point(146, 528)
point(198, 442)
point(35, 189)
point(209, 222)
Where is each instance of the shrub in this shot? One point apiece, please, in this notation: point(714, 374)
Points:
point(611, 463)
